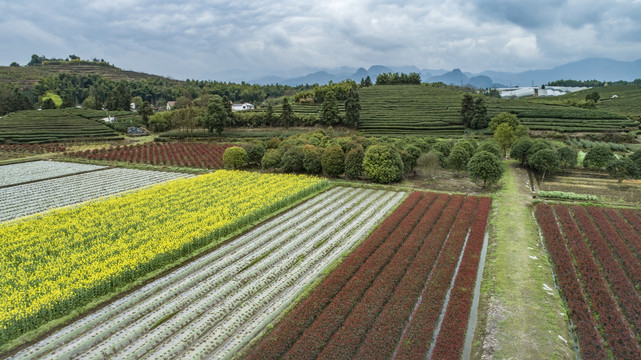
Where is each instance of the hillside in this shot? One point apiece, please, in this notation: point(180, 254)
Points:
point(423, 110)
point(622, 99)
point(24, 77)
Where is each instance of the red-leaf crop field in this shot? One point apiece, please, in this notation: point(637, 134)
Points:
point(387, 299)
point(195, 155)
point(597, 263)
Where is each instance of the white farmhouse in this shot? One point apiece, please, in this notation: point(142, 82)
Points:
point(241, 107)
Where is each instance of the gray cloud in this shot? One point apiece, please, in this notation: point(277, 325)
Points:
point(193, 38)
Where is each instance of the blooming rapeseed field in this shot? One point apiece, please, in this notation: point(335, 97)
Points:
point(55, 262)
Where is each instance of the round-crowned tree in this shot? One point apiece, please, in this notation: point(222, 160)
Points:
point(598, 157)
point(292, 159)
point(312, 159)
point(354, 163)
point(255, 152)
point(545, 162)
point(271, 159)
point(568, 157)
point(622, 169)
point(383, 164)
point(636, 157)
point(485, 166)
point(234, 157)
point(520, 149)
point(491, 146)
point(333, 161)
point(458, 158)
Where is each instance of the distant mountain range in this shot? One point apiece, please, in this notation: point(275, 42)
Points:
point(587, 69)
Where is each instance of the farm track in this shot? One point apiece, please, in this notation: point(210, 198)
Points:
point(31, 198)
point(214, 305)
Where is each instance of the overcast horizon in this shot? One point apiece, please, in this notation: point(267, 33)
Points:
point(198, 39)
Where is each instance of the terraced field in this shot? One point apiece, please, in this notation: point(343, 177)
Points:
point(52, 126)
point(410, 110)
point(216, 304)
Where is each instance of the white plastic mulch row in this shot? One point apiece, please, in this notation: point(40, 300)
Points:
point(38, 170)
point(215, 305)
point(26, 199)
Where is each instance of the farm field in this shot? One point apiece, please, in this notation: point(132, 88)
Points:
point(60, 260)
point(39, 170)
point(217, 303)
point(44, 126)
point(27, 199)
point(599, 185)
point(595, 253)
point(406, 292)
point(195, 155)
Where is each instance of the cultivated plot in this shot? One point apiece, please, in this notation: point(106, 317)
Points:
point(214, 305)
point(406, 292)
point(39, 170)
point(596, 259)
point(26, 199)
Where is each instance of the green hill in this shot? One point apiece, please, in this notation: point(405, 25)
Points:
point(622, 99)
point(24, 77)
point(43, 126)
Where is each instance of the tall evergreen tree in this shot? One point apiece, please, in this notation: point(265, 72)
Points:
point(352, 108)
point(287, 116)
point(329, 110)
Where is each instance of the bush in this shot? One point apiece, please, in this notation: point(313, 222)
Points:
point(486, 167)
point(234, 157)
point(333, 161)
point(292, 160)
point(430, 162)
point(598, 157)
point(271, 159)
point(273, 143)
point(354, 163)
point(567, 195)
point(383, 164)
point(255, 152)
point(312, 159)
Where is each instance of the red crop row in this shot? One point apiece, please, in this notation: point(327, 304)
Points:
point(451, 337)
point(419, 331)
point(621, 285)
point(626, 230)
point(345, 342)
point(382, 340)
point(314, 338)
point(33, 148)
point(284, 335)
point(201, 155)
point(615, 329)
point(363, 308)
point(634, 218)
point(630, 261)
point(590, 340)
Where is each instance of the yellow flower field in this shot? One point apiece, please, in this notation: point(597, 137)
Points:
point(57, 261)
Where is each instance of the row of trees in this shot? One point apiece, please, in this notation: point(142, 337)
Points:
point(540, 156)
point(398, 79)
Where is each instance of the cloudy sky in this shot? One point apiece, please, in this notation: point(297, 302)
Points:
point(199, 39)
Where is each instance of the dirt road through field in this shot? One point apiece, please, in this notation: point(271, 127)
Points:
point(521, 315)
